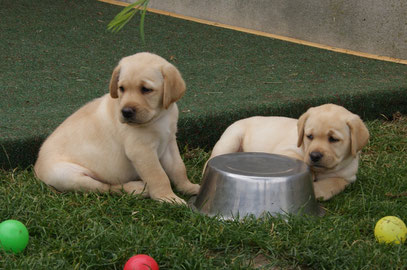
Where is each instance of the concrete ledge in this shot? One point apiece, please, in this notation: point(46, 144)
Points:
point(373, 27)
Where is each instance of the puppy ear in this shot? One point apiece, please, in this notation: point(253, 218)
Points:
point(300, 127)
point(174, 85)
point(359, 134)
point(114, 82)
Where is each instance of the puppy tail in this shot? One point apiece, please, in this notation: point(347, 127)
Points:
point(231, 141)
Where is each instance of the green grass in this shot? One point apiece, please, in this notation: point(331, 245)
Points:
point(58, 55)
point(101, 231)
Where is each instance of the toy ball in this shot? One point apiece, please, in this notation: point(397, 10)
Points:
point(390, 230)
point(141, 262)
point(13, 236)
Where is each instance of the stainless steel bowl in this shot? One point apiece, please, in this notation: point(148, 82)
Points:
point(241, 184)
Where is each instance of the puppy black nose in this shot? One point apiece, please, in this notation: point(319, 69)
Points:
point(315, 156)
point(128, 112)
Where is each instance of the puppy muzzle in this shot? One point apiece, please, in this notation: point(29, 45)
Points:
point(128, 113)
point(315, 157)
point(315, 161)
point(131, 116)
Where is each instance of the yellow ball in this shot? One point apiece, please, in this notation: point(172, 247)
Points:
point(390, 230)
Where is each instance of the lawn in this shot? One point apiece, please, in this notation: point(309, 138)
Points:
point(57, 55)
point(101, 231)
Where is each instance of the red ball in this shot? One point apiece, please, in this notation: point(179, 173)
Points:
point(141, 262)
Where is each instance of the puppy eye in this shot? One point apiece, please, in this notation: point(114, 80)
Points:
point(121, 88)
point(332, 139)
point(145, 90)
point(310, 137)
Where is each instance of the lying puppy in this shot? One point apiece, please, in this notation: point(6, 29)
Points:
point(328, 138)
point(117, 139)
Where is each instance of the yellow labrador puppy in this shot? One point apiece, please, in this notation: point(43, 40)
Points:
point(328, 138)
point(124, 141)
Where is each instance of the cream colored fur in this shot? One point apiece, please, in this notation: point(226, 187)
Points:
point(125, 140)
point(328, 132)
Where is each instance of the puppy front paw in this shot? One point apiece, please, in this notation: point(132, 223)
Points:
point(327, 188)
point(321, 194)
point(169, 198)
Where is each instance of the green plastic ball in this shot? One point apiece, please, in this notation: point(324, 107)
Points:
point(13, 236)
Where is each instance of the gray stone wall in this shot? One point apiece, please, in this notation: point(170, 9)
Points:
point(370, 26)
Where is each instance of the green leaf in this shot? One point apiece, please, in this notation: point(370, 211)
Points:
point(123, 17)
point(121, 21)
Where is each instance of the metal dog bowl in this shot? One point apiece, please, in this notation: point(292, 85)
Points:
point(241, 184)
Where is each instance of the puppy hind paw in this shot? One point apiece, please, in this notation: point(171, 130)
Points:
point(190, 189)
point(132, 187)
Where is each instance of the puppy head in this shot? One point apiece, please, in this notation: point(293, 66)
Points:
point(329, 135)
point(145, 84)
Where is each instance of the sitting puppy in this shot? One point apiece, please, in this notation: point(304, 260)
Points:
point(124, 141)
point(328, 138)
